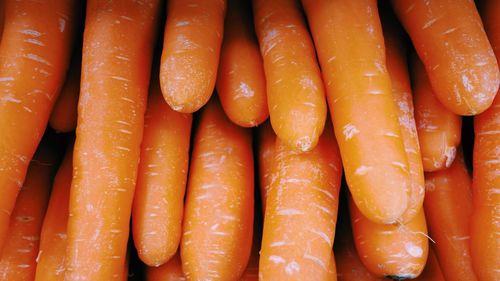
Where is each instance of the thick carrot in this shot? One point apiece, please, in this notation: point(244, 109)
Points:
point(52, 253)
point(241, 83)
point(439, 129)
point(191, 48)
point(18, 259)
point(34, 56)
point(448, 208)
point(161, 183)
point(432, 270)
point(117, 50)
point(170, 271)
point(64, 115)
point(219, 211)
point(396, 251)
point(363, 111)
point(265, 152)
point(450, 40)
point(301, 212)
point(402, 94)
point(295, 92)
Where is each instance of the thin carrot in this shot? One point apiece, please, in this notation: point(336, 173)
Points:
point(402, 94)
point(52, 253)
point(161, 183)
point(363, 111)
point(265, 151)
point(241, 83)
point(432, 270)
point(301, 212)
point(450, 40)
point(117, 49)
point(218, 221)
point(34, 56)
point(448, 209)
point(18, 259)
point(170, 271)
point(191, 48)
point(295, 92)
point(439, 129)
point(396, 251)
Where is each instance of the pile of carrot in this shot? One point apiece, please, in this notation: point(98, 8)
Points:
point(135, 142)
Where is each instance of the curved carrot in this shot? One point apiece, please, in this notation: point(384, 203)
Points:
point(241, 83)
point(395, 251)
point(34, 56)
point(51, 256)
point(295, 91)
point(450, 40)
point(401, 92)
point(191, 48)
point(18, 258)
point(448, 208)
point(439, 129)
point(170, 271)
point(161, 183)
point(117, 50)
point(218, 220)
point(432, 270)
point(301, 212)
point(363, 111)
point(265, 152)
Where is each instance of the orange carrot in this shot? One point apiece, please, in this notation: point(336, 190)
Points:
point(161, 183)
point(295, 92)
point(191, 47)
point(395, 251)
point(439, 129)
point(117, 50)
point(218, 221)
point(432, 270)
point(265, 152)
point(18, 259)
point(170, 271)
point(51, 256)
point(448, 208)
point(363, 111)
point(450, 40)
point(401, 92)
point(241, 83)
point(301, 212)
point(34, 56)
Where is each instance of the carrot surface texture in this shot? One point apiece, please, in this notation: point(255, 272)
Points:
point(241, 83)
point(432, 270)
point(295, 92)
point(161, 184)
point(219, 210)
point(448, 209)
point(18, 258)
point(117, 52)
point(266, 140)
point(34, 56)
point(350, 46)
point(191, 48)
point(170, 271)
point(439, 129)
point(301, 212)
point(452, 44)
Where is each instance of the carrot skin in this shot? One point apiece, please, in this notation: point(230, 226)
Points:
point(170, 271)
point(432, 270)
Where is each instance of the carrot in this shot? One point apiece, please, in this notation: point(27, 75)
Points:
point(170, 271)
point(34, 55)
point(51, 256)
point(265, 152)
point(217, 227)
point(485, 227)
point(18, 259)
point(2, 17)
point(117, 50)
point(450, 40)
point(295, 92)
point(363, 111)
point(439, 129)
point(191, 48)
point(64, 115)
point(301, 212)
point(448, 208)
point(161, 184)
point(432, 270)
point(395, 251)
point(402, 94)
point(241, 83)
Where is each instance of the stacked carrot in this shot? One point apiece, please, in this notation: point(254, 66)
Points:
point(171, 170)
